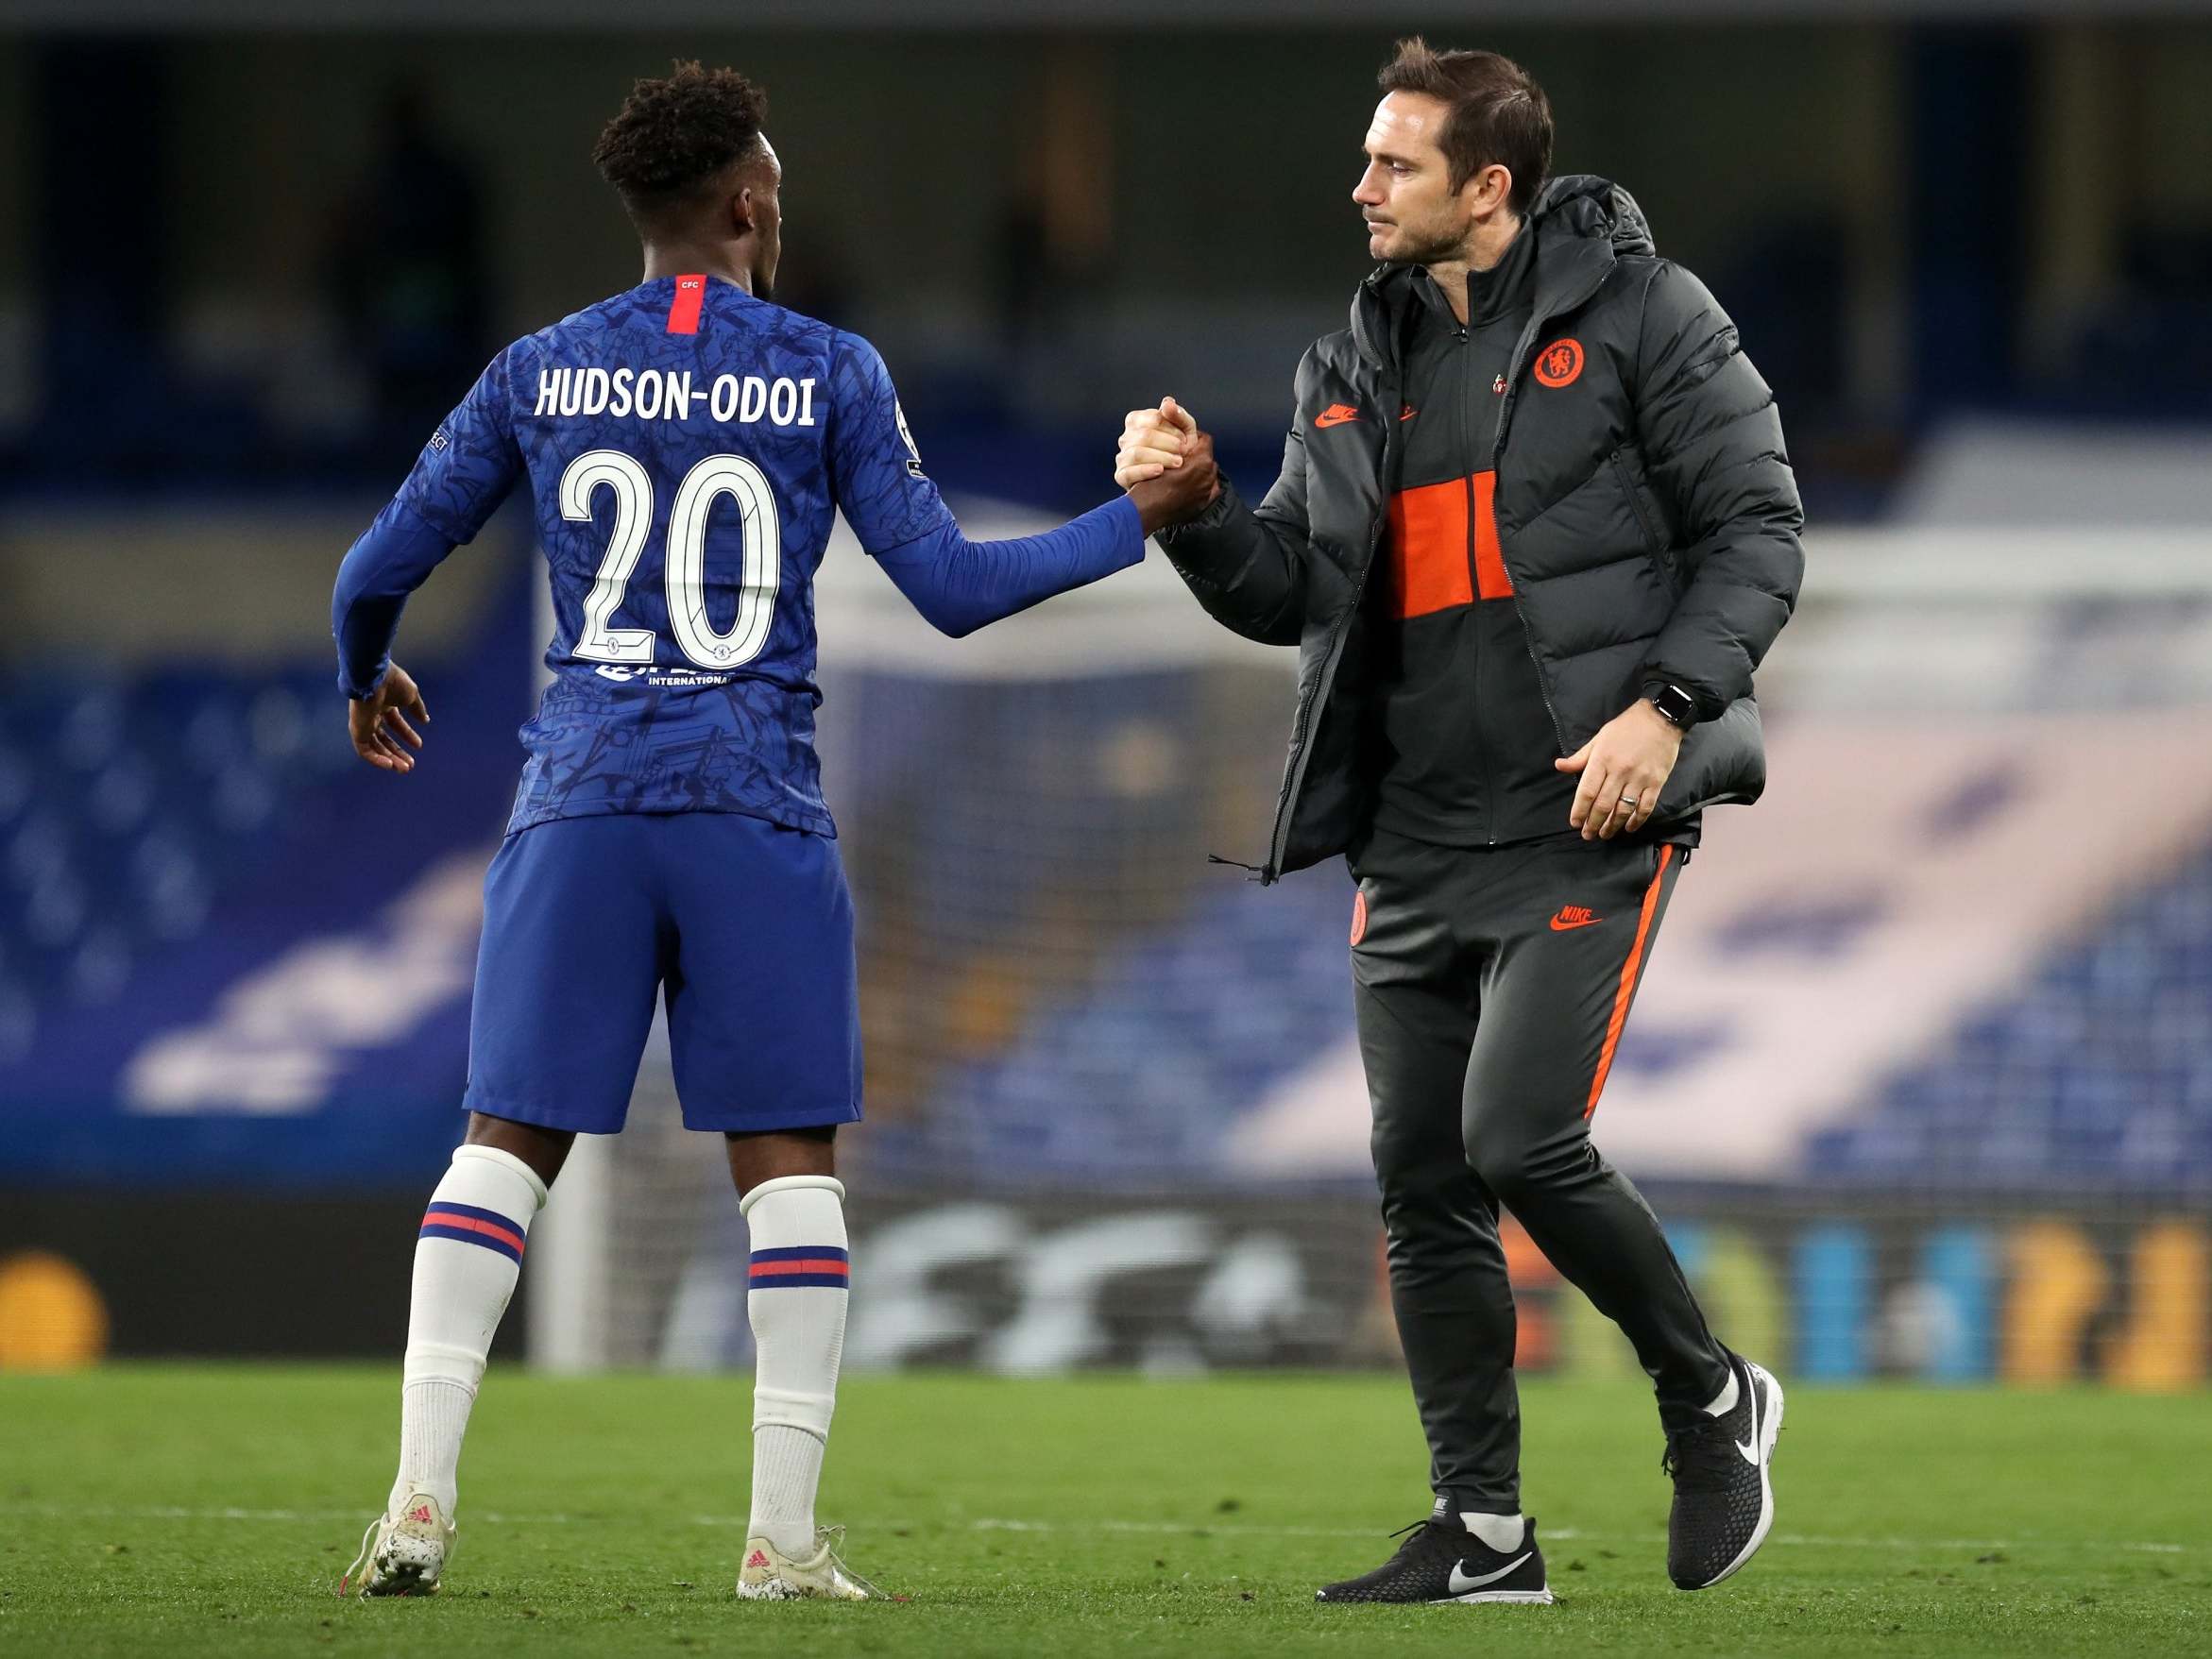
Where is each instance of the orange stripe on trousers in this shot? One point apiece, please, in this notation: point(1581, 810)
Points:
point(1628, 991)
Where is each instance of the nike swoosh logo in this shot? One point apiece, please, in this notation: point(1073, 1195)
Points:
point(1459, 1584)
point(1337, 416)
point(1559, 925)
point(1748, 1450)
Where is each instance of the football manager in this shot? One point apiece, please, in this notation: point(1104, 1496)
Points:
point(1534, 532)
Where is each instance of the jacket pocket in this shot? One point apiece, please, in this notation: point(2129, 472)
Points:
point(1655, 538)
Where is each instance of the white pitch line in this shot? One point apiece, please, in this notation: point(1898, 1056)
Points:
point(997, 1524)
point(1233, 1529)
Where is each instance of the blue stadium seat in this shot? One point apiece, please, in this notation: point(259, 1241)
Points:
point(1142, 1074)
point(124, 807)
point(2097, 1076)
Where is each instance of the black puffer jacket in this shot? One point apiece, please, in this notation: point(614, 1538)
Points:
point(1645, 509)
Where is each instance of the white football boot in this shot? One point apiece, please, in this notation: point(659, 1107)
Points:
point(770, 1575)
point(403, 1553)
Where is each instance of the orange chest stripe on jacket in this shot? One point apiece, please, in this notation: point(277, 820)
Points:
point(1429, 568)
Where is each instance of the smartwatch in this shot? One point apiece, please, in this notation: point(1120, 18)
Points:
point(1676, 705)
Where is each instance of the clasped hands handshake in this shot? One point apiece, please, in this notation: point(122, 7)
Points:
point(1166, 465)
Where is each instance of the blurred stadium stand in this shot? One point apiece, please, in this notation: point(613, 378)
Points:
point(1936, 216)
point(2096, 1075)
point(128, 811)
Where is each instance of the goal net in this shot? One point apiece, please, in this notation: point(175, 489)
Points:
point(1921, 1077)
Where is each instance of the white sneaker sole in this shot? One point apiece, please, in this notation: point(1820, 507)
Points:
point(774, 1590)
point(1770, 1428)
point(404, 1581)
point(1527, 1598)
point(407, 1566)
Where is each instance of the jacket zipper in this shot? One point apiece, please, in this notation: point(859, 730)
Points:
point(1467, 391)
point(1536, 322)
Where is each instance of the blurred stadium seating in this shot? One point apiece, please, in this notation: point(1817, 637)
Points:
point(192, 903)
point(1146, 1073)
point(2095, 1074)
point(129, 812)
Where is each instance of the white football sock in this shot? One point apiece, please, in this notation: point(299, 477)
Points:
point(466, 1261)
point(795, 1299)
point(1724, 1402)
point(1498, 1531)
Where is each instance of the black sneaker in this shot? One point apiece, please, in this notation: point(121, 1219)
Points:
point(1442, 1561)
point(1724, 1502)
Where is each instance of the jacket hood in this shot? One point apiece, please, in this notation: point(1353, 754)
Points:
point(1574, 206)
point(1585, 205)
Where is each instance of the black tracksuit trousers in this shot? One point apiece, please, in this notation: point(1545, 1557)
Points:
point(1491, 985)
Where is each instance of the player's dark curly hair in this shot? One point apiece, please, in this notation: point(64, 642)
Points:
point(675, 134)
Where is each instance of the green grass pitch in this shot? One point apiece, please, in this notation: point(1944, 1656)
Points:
point(166, 1509)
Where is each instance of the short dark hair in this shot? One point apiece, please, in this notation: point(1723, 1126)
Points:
point(1499, 117)
point(675, 135)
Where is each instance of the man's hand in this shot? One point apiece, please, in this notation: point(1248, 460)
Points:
point(379, 721)
point(1153, 441)
point(1623, 770)
point(1166, 465)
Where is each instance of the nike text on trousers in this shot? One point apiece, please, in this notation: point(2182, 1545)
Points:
point(1491, 986)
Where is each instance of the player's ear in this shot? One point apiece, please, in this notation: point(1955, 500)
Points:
point(1489, 187)
point(741, 218)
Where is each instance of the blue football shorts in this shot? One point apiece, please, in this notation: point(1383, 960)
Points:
point(745, 927)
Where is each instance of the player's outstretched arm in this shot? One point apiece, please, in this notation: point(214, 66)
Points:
point(958, 584)
point(961, 585)
point(1246, 566)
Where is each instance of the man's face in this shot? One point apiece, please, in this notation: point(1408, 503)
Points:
point(765, 183)
point(1413, 214)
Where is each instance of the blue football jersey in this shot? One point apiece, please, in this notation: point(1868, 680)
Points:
point(687, 446)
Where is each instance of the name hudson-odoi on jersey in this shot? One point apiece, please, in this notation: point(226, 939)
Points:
point(668, 395)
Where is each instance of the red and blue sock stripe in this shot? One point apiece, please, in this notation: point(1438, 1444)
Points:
point(465, 1223)
point(800, 1265)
